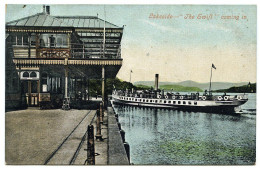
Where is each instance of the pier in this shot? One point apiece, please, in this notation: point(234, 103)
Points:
point(60, 137)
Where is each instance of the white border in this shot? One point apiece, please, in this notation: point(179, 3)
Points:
point(2, 61)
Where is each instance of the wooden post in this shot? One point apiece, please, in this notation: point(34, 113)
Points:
point(29, 93)
point(66, 82)
point(98, 135)
point(37, 44)
point(88, 89)
point(29, 45)
point(101, 113)
point(103, 84)
point(90, 146)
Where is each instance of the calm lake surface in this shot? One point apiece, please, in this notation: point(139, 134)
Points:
point(160, 136)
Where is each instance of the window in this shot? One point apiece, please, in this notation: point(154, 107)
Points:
point(42, 43)
point(52, 41)
point(179, 102)
point(184, 102)
point(156, 101)
point(33, 74)
point(25, 74)
point(195, 103)
point(169, 102)
point(59, 41)
point(174, 102)
point(189, 102)
point(164, 101)
point(151, 101)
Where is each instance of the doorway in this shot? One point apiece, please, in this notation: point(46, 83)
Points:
point(30, 89)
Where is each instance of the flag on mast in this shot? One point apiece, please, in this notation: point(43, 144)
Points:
point(213, 66)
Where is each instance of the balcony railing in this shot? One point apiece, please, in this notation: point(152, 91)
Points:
point(75, 51)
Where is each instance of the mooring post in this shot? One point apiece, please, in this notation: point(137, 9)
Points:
point(116, 115)
point(101, 113)
point(98, 135)
point(122, 132)
point(119, 125)
point(91, 146)
point(127, 149)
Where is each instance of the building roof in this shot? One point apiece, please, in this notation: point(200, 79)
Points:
point(45, 20)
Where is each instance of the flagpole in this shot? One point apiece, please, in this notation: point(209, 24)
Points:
point(130, 76)
point(104, 33)
point(210, 80)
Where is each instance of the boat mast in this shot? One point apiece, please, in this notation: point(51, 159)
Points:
point(210, 81)
point(212, 66)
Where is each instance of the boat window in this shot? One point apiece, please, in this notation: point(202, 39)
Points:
point(184, 102)
point(160, 101)
point(179, 102)
point(169, 101)
point(189, 102)
point(147, 100)
point(156, 101)
point(151, 101)
point(135, 99)
point(164, 101)
point(25, 74)
point(195, 103)
point(174, 102)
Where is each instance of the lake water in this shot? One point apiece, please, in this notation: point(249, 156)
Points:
point(160, 136)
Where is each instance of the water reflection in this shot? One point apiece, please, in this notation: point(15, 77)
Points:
point(159, 136)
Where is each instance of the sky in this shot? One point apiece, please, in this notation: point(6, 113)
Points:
point(179, 48)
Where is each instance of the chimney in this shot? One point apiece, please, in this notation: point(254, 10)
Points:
point(43, 9)
point(48, 10)
point(156, 82)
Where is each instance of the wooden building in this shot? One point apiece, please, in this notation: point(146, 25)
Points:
point(50, 58)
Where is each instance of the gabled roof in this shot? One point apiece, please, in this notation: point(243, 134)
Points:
point(42, 19)
point(86, 21)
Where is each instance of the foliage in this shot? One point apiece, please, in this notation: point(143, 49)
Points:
point(240, 89)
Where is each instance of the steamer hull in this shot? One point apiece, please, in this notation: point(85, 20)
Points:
point(218, 106)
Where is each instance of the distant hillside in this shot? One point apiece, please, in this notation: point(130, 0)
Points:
point(240, 89)
point(179, 88)
point(189, 83)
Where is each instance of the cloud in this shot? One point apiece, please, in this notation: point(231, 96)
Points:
point(162, 27)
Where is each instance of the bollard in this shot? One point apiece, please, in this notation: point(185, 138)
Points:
point(119, 125)
point(122, 132)
point(90, 146)
point(127, 149)
point(98, 135)
point(101, 113)
point(116, 115)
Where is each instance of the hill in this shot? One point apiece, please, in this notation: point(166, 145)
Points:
point(189, 83)
point(240, 89)
point(179, 88)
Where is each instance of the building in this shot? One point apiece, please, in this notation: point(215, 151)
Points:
point(49, 59)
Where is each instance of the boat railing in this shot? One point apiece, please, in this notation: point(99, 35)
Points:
point(171, 96)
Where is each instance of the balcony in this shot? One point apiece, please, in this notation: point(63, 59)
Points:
point(74, 51)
